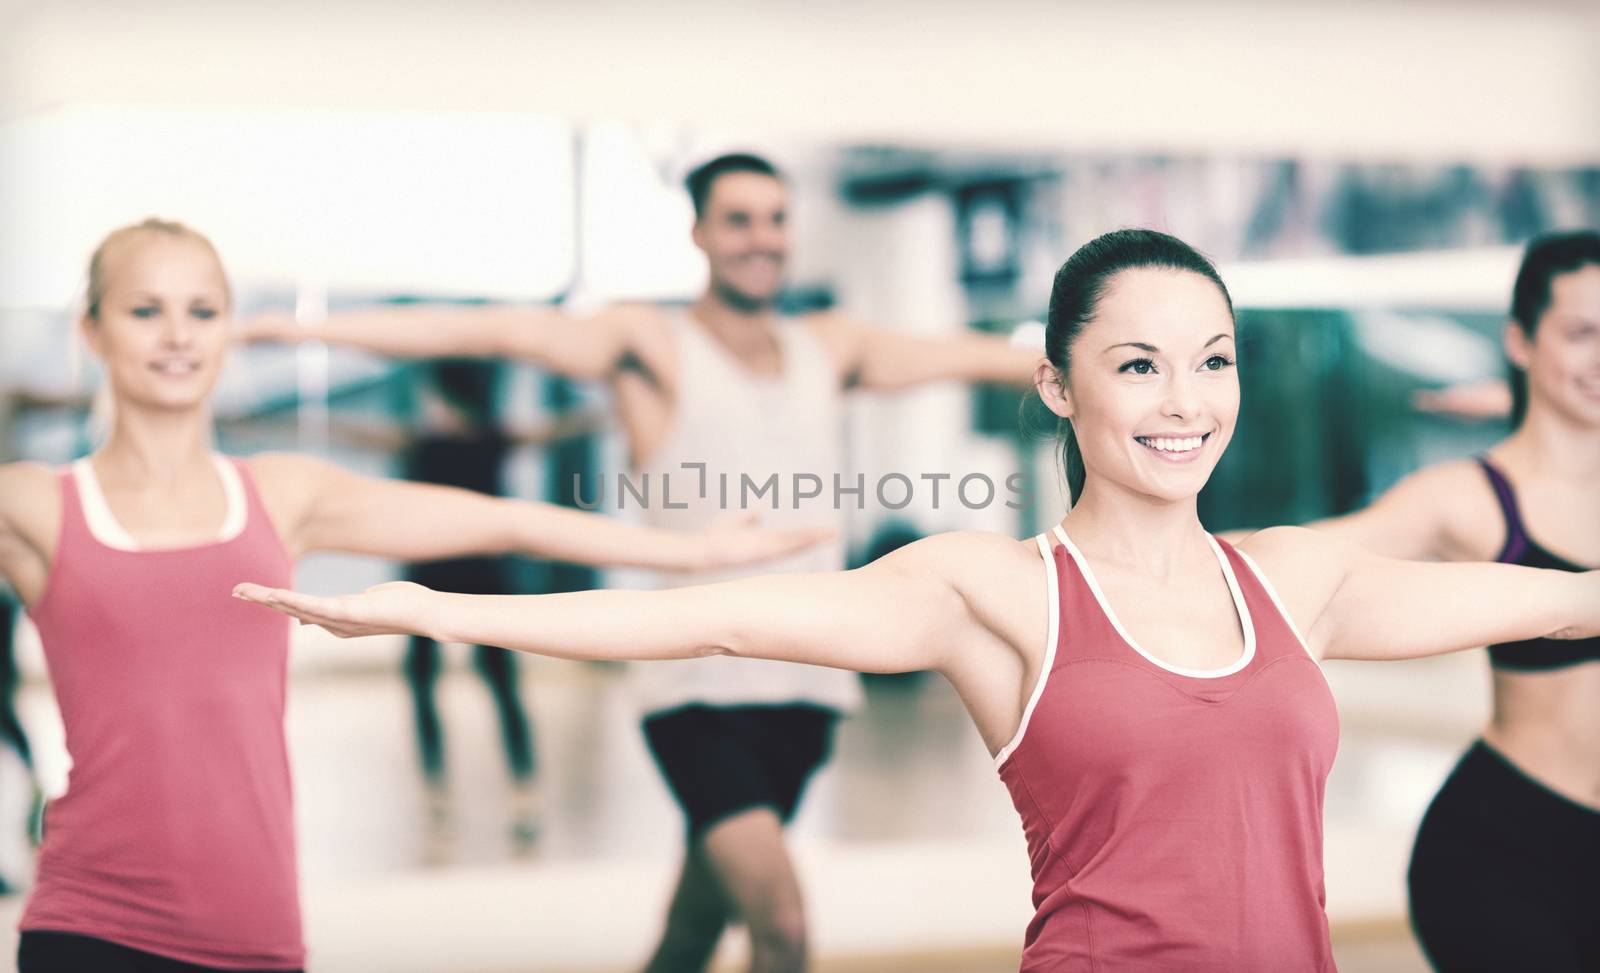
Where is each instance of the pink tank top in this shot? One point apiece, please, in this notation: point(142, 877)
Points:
point(176, 834)
point(1173, 816)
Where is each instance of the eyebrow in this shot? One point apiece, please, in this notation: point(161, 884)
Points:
point(152, 296)
point(1153, 349)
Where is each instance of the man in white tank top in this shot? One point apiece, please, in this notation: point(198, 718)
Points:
point(731, 384)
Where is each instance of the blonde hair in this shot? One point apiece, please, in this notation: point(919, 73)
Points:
point(120, 238)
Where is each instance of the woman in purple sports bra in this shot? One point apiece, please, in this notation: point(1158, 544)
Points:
point(1151, 694)
point(1505, 874)
point(173, 848)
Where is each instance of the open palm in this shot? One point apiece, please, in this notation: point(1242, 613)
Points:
point(385, 609)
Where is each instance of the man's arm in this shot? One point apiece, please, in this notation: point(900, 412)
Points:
point(585, 348)
point(882, 360)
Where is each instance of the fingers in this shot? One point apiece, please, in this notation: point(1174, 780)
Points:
point(250, 591)
point(308, 608)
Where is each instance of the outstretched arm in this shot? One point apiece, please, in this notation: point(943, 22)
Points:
point(1358, 605)
point(1433, 514)
point(884, 360)
point(898, 614)
point(589, 348)
point(1416, 518)
point(329, 508)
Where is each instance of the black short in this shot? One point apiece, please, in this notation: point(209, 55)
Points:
point(65, 952)
point(1505, 874)
point(720, 760)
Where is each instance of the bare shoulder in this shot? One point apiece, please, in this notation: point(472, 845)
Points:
point(24, 477)
point(843, 336)
point(832, 320)
point(997, 577)
point(1298, 559)
point(30, 520)
point(643, 332)
point(1290, 549)
point(834, 326)
point(1304, 567)
point(27, 491)
point(965, 554)
point(284, 471)
point(1447, 509)
point(1462, 499)
point(289, 484)
point(635, 320)
point(1454, 488)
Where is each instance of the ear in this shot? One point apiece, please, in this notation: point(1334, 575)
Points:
point(1052, 386)
point(695, 234)
point(1518, 346)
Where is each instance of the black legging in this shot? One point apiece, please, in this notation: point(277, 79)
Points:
point(471, 460)
point(499, 670)
point(1505, 875)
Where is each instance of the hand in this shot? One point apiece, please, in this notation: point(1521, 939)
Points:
point(737, 540)
point(269, 326)
point(1471, 400)
point(395, 608)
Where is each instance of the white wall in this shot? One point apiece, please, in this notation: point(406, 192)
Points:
point(464, 203)
point(1442, 78)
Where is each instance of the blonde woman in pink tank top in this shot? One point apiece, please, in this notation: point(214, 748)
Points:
point(173, 847)
point(1152, 695)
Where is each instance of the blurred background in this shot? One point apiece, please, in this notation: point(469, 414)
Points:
point(1364, 173)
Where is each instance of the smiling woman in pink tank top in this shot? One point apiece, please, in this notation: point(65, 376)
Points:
point(173, 847)
point(1151, 694)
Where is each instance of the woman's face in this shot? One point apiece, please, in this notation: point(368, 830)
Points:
point(1562, 358)
point(1151, 388)
point(162, 327)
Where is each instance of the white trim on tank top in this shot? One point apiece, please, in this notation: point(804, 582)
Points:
point(1272, 594)
point(106, 529)
point(1052, 637)
point(1246, 625)
point(761, 380)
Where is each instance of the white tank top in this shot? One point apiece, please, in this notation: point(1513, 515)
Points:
point(741, 424)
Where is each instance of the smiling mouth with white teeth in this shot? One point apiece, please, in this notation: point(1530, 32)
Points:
point(175, 367)
point(1173, 447)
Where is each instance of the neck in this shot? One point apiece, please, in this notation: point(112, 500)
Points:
point(1554, 445)
point(728, 312)
point(1150, 534)
point(156, 444)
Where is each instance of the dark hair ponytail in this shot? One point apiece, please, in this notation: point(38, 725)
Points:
point(1072, 460)
point(1079, 286)
point(1546, 258)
